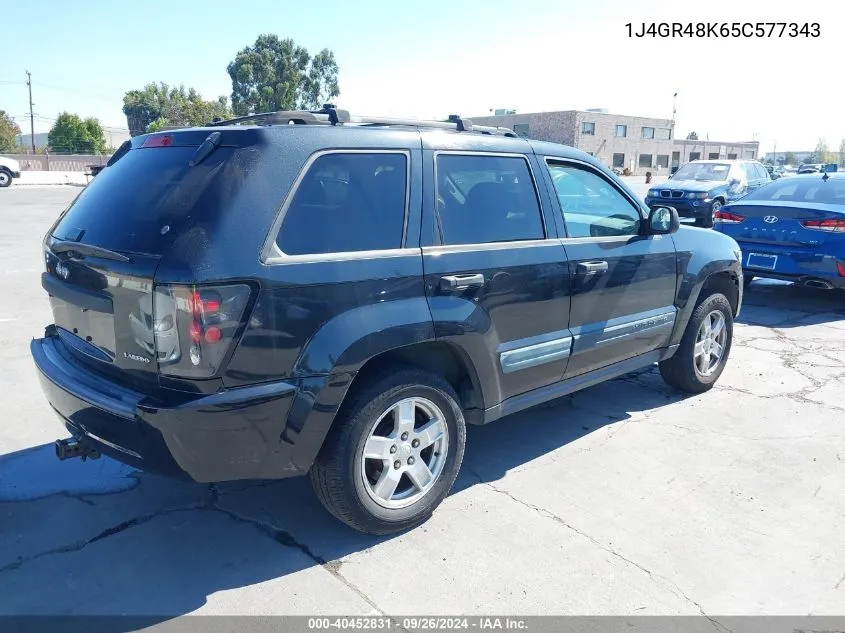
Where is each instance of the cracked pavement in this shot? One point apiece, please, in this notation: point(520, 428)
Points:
point(626, 498)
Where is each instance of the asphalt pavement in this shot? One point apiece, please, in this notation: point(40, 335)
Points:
point(627, 498)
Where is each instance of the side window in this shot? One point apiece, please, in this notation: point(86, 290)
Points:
point(591, 206)
point(347, 202)
point(486, 199)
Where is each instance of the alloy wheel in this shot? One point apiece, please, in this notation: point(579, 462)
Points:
point(405, 453)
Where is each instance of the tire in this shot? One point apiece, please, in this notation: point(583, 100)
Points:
point(5, 178)
point(707, 220)
point(348, 485)
point(681, 371)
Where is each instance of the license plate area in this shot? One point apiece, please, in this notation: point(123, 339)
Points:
point(92, 331)
point(762, 261)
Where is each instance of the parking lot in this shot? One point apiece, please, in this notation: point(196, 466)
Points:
point(626, 498)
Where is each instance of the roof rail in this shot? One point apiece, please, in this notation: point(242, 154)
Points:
point(329, 115)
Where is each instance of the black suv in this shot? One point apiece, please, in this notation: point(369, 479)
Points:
point(310, 292)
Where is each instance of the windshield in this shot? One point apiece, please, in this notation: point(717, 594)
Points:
point(703, 171)
point(818, 190)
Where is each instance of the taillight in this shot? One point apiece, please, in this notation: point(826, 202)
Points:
point(840, 268)
point(832, 225)
point(203, 322)
point(728, 218)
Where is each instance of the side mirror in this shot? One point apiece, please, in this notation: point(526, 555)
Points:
point(663, 220)
point(734, 182)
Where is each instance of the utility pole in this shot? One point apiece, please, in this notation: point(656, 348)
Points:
point(31, 115)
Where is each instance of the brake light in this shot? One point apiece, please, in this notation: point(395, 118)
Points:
point(158, 140)
point(832, 225)
point(728, 218)
point(206, 321)
point(840, 268)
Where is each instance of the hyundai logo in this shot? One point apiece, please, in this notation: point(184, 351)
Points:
point(770, 219)
point(62, 271)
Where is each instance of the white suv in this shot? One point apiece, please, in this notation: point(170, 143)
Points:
point(8, 169)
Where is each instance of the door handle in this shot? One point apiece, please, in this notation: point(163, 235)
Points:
point(592, 268)
point(461, 282)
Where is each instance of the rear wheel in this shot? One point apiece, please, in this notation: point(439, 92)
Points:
point(5, 178)
point(703, 352)
point(393, 452)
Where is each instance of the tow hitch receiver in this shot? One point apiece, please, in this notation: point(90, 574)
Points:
point(72, 448)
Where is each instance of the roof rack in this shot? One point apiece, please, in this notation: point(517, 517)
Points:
point(329, 115)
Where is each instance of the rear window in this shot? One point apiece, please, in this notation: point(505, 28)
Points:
point(140, 202)
point(347, 202)
point(815, 190)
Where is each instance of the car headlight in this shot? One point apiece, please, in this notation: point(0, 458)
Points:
point(697, 195)
point(653, 193)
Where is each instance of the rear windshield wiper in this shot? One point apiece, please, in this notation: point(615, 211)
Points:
point(66, 246)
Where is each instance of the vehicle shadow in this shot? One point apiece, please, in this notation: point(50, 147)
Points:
point(99, 538)
point(785, 305)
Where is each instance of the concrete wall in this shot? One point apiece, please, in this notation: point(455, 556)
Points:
point(58, 162)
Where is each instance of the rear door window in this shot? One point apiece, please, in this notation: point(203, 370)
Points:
point(138, 204)
point(347, 202)
point(484, 199)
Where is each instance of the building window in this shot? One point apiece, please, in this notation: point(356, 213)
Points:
point(619, 160)
point(730, 156)
point(521, 129)
point(645, 160)
point(696, 155)
point(648, 132)
point(676, 159)
point(588, 128)
point(713, 156)
point(663, 161)
point(663, 134)
point(621, 131)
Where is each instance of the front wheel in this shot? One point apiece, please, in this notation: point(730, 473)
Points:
point(393, 452)
point(708, 220)
point(5, 178)
point(703, 352)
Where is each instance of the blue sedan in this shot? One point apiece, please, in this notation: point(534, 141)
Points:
point(792, 229)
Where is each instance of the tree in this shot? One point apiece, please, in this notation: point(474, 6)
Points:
point(276, 74)
point(842, 152)
point(72, 135)
point(160, 105)
point(9, 131)
point(789, 158)
point(692, 136)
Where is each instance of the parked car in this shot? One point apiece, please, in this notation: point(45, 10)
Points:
point(9, 169)
point(700, 188)
point(277, 300)
point(794, 229)
point(810, 168)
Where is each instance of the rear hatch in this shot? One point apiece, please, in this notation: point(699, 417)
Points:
point(103, 252)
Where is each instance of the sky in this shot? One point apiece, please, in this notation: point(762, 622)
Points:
point(435, 58)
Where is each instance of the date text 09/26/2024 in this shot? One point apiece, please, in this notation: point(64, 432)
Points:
point(724, 29)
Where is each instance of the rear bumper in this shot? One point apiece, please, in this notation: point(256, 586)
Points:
point(796, 265)
point(255, 432)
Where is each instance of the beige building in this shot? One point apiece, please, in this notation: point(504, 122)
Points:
point(638, 143)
